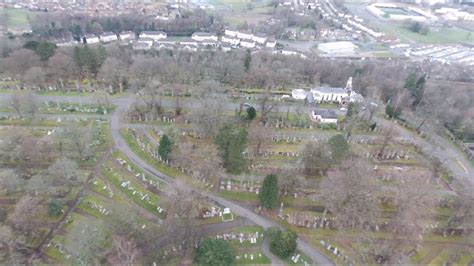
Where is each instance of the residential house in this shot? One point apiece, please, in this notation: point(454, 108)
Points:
point(244, 35)
point(209, 43)
point(299, 94)
point(260, 39)
point(108, 37)
point(90, 39)
point(271, 43)
point(231, 32)
point(171, 41)
point(137, 45)
point(204, 36)
point(163, 46)
point(155, 35)
point(187, 47)
point(324, 116)
point(247, 43)
point(127, 36)
point(188, 42)
point(230, 40)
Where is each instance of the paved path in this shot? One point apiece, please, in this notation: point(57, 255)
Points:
point(115, 126)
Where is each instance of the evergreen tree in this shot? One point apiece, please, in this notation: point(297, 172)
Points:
point(216, 252)
point(339, 147)
point(283, 244)
point(248, 60)
point(164, 150)
point(251, 113)
point(269, 194)
point(232, 142)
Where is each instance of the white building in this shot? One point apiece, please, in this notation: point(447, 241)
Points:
point(260, 39)
point(337, 47)
point(188, 47)
point(108, 37)
point(244, 35)
point(155, 35)
point(145, 40)
point(247, 43)
point(226, 48)
point(127, 36)
point(91, 39)
point(172, 41)
point(141, 45)
point(328, 94)
point(188, 42)
point(299, 94)
point(230, 40)
point(271, 43)
point(324, 116)
point(204, 36)
point(230, 32)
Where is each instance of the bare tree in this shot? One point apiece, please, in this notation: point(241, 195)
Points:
point(210, 116)
point(124, 251)
point(259, 136)
point(20, 61)
point(113, 72)
point(266, 106)
point(315, 158)
point(388, 135)
point(25, 104)
point(349, 192)
point(35, 77)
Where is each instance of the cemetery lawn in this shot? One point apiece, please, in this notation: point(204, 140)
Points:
point(303, 257)
point(257, 259)
point(247, 230)
point(117, 177)
point(239, 196)
point(133, 144)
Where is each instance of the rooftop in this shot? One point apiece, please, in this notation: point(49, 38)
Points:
point(329, 90)
point(325, 113)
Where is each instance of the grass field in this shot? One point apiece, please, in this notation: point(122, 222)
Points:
point(435, 35)
point(17, 17)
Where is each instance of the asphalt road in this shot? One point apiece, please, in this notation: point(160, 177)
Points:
point(116, 125)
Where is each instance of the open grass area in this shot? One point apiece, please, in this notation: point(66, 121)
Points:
point(147, 157)
point(442, 35)
point(239, 196)
point(254, 258)
point(135, 191)
point(17, 17)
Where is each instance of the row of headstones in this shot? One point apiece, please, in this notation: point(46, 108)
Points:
point(143, 197)
point(283, 153)
point(309, 221)
point(105, 188)
point(148, 118)
point(365, 140)
point(287, 139)
point(296, 258)
point(245, 256)
point(389, 155)
point(60, 248)
point(244, 187)
point(212, 212)
point(336, 252)
point(253, 238)
point(99, 207)
point(140, 175)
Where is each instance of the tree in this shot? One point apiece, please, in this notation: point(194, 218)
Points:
point(339, 147)
point(209, 117)
point(215, 252)
point(269, 194)
point(315, 158)
point(20, 61)
point(55, 207)
point(349, 192)
point(232, 142)
point(35, 77)
point(86, 241)
point(248, 60)
point(251, 113)
point(165, 148)
point(283, 244)
point(258, 136)
point(25, 104)
point(393, 112)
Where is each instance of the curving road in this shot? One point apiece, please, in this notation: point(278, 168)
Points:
point(116, 125)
